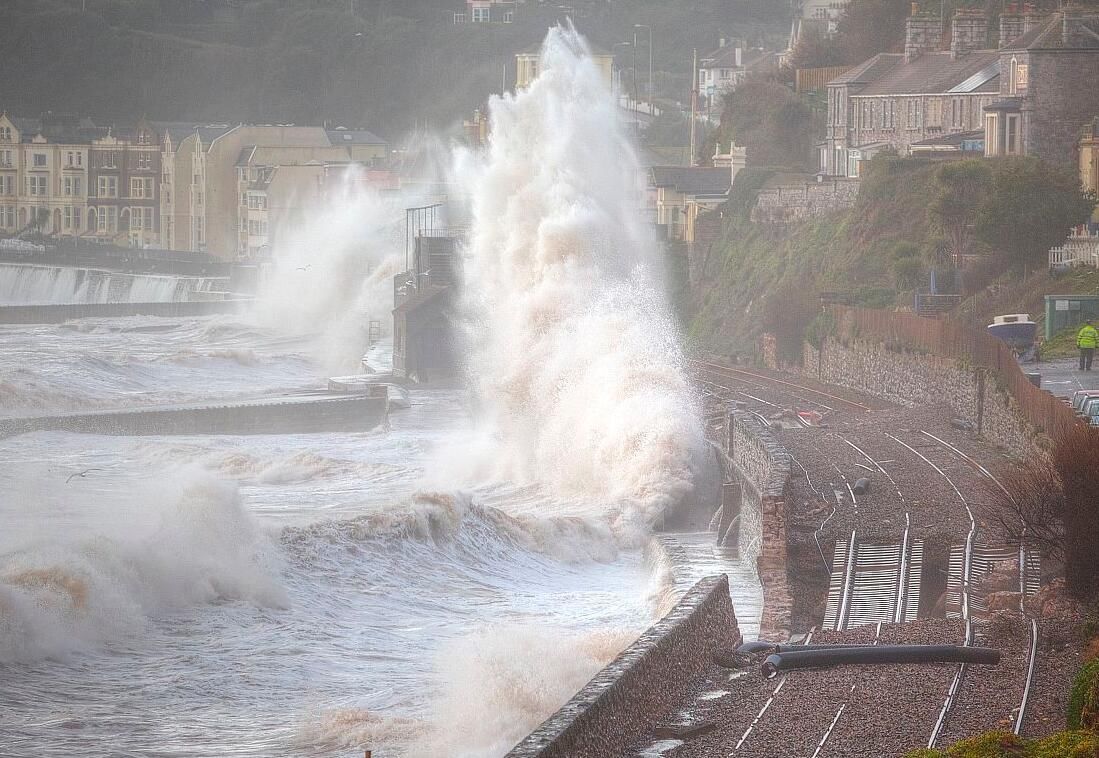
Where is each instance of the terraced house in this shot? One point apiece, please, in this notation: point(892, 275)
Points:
point(1032, 94)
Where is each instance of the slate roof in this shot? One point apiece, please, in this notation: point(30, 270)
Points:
point(1083, 31)
point(950, 140)
point(692, 180)
point(932, 73)
point(180, 130)
point(725, 57)
point(345, 136)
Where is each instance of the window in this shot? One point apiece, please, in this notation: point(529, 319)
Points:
point(107, 219)
point(257, 203)
point(76, 218)
point(36, 185)
point(143, 161)
point(1012, 141)
point(480, 15)
point(73, 159)
point(889, 114)
point(72, 186)
point(257, 228)
point(5, 134)
point(7, 185)
point(67, 217)
point(141, 188)
point(108, 159)
point(39, 160)
point(914, 118)
point(957, 113)
point(7, 215)
point(992, 146)
point(108, 186)
point(459, 18)
point(141, 219)
point(509, 16)
point(7, 158)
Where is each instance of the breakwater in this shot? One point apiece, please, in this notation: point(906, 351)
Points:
point(58, 314)
point(641, 685)
point(325, 413)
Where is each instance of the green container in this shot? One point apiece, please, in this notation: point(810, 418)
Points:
point(1063, 311)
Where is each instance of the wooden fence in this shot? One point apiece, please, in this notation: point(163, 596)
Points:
point(975, 347)
point(816, 79)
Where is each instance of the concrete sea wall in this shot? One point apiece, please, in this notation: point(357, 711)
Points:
point(639, 687)
point(762, 467)
point(58, 314)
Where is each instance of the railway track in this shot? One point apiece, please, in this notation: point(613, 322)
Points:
point(824, 400)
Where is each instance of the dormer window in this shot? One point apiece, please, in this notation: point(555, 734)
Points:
point(5, 134)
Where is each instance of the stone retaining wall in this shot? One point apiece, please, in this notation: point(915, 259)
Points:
point(763, 467)
point(643, 683)
point(911, 379)
point(796, 202)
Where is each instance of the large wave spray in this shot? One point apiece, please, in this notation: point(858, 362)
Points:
point(576, 357)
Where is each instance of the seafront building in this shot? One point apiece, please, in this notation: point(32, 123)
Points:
point(217, 188)
point(1031, 94)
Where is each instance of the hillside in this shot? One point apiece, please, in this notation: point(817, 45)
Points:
point(387, 65)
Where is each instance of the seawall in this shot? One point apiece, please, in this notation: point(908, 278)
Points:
point(639, 687)
point(273, 416)
point(58, 314)
point(761, 467)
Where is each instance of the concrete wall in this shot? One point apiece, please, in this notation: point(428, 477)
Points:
point(913, 379)
point(638, 688)
point(788, 204)
point(58, 314)
point(762, 467)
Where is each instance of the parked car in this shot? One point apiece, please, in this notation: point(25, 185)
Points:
point(1080, 396)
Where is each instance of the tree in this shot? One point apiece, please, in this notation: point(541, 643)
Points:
point(814, 50)
point(1053, 503)
point(1031, 208)
point(960, 189)
point(869, 27)
point(772, 122)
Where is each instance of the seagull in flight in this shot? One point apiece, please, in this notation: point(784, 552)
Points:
point(306, 267)
point(81, 474)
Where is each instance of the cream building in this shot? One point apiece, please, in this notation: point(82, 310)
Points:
point(228, 188)
point(528, 61)
point(41, 179)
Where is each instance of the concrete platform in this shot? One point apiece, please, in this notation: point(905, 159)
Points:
point(58, 314)
point(327, 412)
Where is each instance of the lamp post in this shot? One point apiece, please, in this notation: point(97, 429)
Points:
point(650, 93)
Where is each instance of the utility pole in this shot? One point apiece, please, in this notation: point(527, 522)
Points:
point(650, 30)
point(694, 104)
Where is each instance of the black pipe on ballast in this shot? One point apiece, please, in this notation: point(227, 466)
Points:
point(877, 655)
point(748, 648)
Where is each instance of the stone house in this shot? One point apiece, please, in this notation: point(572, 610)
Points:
point(1049, 87)
point(124, 186)
point(895, 100)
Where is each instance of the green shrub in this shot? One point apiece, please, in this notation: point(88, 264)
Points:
point(988, 745)
point(1083, 702)
point(1065, 745)
point(907, 273)
point(925, 753)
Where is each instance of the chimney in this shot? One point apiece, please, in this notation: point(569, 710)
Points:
point(1077, 27)
point(1032, 18)
point(969, 32)
point(922, 34)
point(1011, 25)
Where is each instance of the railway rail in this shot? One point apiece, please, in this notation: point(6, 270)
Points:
point(762, 380)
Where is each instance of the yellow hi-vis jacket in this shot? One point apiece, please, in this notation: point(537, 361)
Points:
point(1087, 337)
